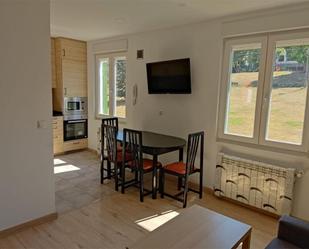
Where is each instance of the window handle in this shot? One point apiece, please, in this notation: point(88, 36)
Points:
point(265, 101)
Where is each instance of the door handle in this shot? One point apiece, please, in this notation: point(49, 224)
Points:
point(77, 121)
point(265, 101)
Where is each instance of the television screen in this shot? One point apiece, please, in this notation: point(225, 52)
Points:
point(169, 76)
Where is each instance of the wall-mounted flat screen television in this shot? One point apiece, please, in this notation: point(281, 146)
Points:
point(169, 77)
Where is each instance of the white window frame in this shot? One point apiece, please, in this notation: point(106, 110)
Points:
point(224, 93)
point(273, 38)
point(112, 57)
point(263, 93)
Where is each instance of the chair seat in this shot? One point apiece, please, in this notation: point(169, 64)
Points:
point(128, 157)
point(147, 164)
point(177, 167)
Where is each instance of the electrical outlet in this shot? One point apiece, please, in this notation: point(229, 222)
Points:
point(140, 54)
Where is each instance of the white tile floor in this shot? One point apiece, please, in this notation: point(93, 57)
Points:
point(78, 181)
point(80, 185)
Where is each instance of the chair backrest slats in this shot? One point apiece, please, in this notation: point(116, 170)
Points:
point(133, 140)
point(195, 140)
point(111, 122)
point(111, 142)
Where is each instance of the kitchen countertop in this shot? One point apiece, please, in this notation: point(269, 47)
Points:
point(56, 114)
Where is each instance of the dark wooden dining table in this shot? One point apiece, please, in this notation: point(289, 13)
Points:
point(157, 144)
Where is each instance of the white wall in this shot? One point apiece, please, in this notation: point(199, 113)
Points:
point(26, 169)
point(182, 114)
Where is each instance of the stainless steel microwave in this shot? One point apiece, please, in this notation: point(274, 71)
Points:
point(75, 108)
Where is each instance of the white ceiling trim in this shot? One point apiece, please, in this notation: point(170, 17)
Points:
point(272, 21)
point(101, 19)
point(110, 46)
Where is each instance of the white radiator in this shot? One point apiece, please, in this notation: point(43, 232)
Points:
point(257, 184)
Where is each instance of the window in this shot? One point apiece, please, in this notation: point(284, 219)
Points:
point(288, 94)
point(120, 85)
point(242, 89)
point(103, 88)
point(111, 85)
point(264, 90)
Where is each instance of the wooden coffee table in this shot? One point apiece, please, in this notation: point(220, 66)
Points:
point(197, 227)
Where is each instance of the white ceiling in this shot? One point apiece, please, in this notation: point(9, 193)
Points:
point(94, 19)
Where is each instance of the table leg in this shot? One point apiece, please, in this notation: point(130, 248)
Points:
point(109, 170)
point(180, 154)
point(154, 176)
point(180, 160)
point(246, 242)
point(180, 183)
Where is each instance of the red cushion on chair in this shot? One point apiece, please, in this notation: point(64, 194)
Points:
point(177, 167)
point(147, 164)
point(119, 147)
point(128, 156)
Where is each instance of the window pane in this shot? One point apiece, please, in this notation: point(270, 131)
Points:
point(104, 86)
point(243, 82)
point(288, 92)
point(120, 87)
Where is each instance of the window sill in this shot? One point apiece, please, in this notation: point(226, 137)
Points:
point(263, 147)
point(120, 120)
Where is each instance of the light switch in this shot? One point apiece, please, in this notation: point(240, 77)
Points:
point(41, 124)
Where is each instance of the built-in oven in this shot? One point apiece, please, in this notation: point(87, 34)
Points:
point(75, 129)
point(75, 107)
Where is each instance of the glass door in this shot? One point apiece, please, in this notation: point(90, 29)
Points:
point(75, 129)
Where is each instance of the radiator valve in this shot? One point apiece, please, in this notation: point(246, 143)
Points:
point(299, 173)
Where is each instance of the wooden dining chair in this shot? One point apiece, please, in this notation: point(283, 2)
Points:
point(109, 171)
point(138, 164)
point(113, 154)
point(184, 170)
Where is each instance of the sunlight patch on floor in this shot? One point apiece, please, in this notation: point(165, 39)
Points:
point(153, 222)
point(58, 161)
point(65, 168)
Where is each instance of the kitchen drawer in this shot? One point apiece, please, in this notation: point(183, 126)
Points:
point(57, 120)
point(58, 134)
point(58, 137)
point(75, 144)
point(58, 124)
point(57, 128)
point(58, 147)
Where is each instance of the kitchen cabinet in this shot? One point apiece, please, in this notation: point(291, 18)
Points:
point(58, 135)
point(59, 145)
point(74, 76)
point(72, 49)
point(71, 70)
point(53, 63)
point(75, 144)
